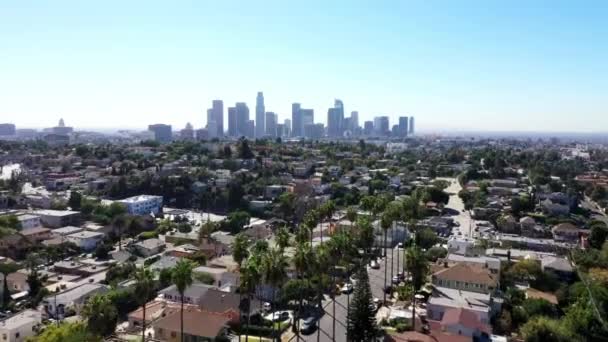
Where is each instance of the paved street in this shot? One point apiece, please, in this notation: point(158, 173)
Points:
point(376, 277)
point(464, 217)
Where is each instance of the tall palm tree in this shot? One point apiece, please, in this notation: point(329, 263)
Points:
point(418, 266)
point(119, 223)
point(250, 278)
point(282, 238)
point(5, 270)
point(321, 263)
point(274, 265)
point(240, 252)
point(181, 276)
point(302, 260)
point(144, 286)
point(385, 224)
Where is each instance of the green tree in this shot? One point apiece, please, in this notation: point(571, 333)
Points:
point(244, 150)
point(75, 200)
point(426, 238)
point(543, 329)
point(274, 265)
point(101, 315)
point(182, 278)
point(66, 332)
point(282, 238)
point(361, 317)
point(599, 233)
point(5, 270)
point(144, 287)
point(240, 250)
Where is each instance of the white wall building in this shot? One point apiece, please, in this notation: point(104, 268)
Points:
point(19, 327)
point(85, 239)
point(143, 204)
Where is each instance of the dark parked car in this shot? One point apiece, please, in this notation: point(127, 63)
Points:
point(308, 325)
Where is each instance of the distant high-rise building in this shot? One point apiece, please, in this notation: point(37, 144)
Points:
point(381, 125)
point(368, 127)
point(354, 121)
point(162, 133)
point(287, 128)
point(242, 119)
point(249, 129)
point(307, 116)
point(271, 124)
point(395, 131)
point(296, 120)
point(260, 112)
point(314, 131)
point(215, 118)
point(411, 125)
point(7, 129)
point(232, 122)
point(335, 119)
point(403, 126)
point(281, 130)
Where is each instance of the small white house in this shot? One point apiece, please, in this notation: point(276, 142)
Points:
point(19, 327)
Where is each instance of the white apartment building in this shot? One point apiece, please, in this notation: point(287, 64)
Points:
point(143, 204)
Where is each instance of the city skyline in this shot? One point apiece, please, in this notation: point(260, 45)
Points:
point(468, 66)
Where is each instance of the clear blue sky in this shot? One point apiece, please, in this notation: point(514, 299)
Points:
point(468, 65)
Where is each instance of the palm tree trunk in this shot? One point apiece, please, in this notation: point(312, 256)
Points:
point(414, 312)
point(333, 314)
point(248, 317)
point(143, 324)
point(385, 265)
point(181, 318)
point(392, 251)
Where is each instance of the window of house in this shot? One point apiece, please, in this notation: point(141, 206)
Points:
point(173, 334)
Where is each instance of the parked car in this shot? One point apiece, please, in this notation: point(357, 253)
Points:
point(377, 303)
point(308, 325)
point(396, 280)
point(374, 264)
point(279, 316)
point(347, 288)
point(267, 307)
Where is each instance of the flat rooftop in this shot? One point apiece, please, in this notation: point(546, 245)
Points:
point(140, 198)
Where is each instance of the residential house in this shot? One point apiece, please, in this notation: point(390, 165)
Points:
point(36, 234)
point(56, 305)
point(459, 321)
point(192, 295)
point(561, 267)
point(14, 246)
point(86, 240)
point(222, 277)
point(149, 247)
point(566, 232)
point(466, 277)
point(168, 328)
point(21, 326)
point(143, 204)
point(29, 221)
point(443, 299)
point(17, 282)
point(222, 303)
point(58, 218)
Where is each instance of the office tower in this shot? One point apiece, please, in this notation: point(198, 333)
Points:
point(354, 121)
point(260, 112)
point(403, 126)
point(411, 125)
point(215, 117)
point(307, 117)
point(271, 124)
point(395, 131)
point(287, 128)
point(202, 134)
point(368, 127)
point(7, 129)
point(381, 125)
point(281, 130)
point(296, 120)
point(242, 118)
point(249, 129)
point(188, 132)
point(335, 119)
point(162, 133)
point(314, 131)
point(232, 122)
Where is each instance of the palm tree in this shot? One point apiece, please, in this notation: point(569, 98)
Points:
point(181, 276)
point(250, 277)
point(282, 237)
point(144, 286)
point(240, 250)
point(274, 265)
point(302, 260)
point(101, 315)
point(385, 224)
point(119, 223)
point(418, 266)
point(5, 270)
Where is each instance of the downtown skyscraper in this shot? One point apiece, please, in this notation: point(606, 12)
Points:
point(335, 119)
point(215, 119)
point(260, 113)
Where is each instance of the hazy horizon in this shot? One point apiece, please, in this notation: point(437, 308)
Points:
point(466, 66)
